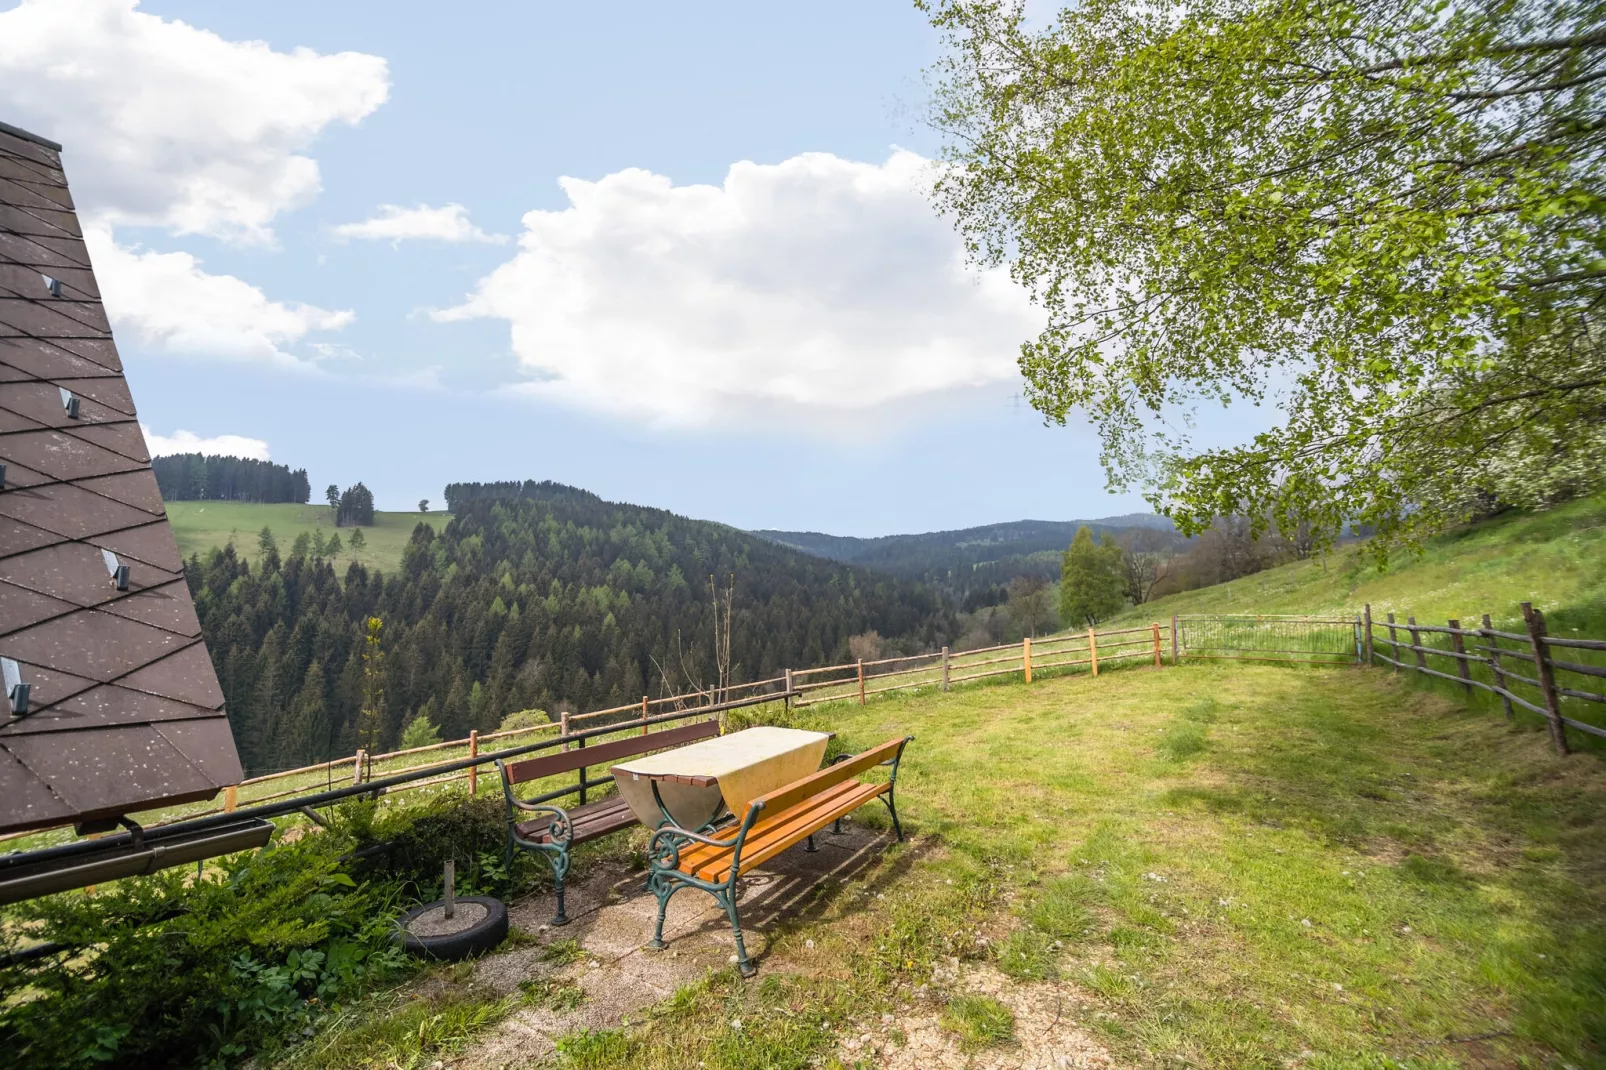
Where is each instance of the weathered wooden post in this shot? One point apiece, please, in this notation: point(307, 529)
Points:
point(474, 770)
point(1494, 664)
point(1463, 668)
point(450, 891)
point(1026, 657)
point(945, 668)
point(1093, 650)
point(786, 700)
point(861, 681)
point(357, 766)
point(563, 728)
point(643, 714)
point(1394, 643)
point(1156, 644)
point(1416, 643)
point(231, 798)
point(1366, 634)
point(1547, 675)
point(1175, 658)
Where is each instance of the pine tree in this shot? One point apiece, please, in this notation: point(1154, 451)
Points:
point(419, 732)
point(1090, 580)
point(371, 718)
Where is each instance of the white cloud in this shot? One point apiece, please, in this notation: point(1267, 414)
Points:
point(168, 125)
point(817, 286)
point(166, 300)
point(189, 442)
point(396, 224)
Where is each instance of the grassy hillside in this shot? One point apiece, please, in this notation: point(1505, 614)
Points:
point(1553, 559)
point(201, 526)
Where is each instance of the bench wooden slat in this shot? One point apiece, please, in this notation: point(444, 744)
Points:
point(770, 837)
point(587, 822)
point(797, 791)
point(610, 752)
point(698, 856)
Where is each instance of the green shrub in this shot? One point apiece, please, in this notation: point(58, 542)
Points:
point(182, 971)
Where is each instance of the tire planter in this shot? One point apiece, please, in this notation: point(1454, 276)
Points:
point(480, 925)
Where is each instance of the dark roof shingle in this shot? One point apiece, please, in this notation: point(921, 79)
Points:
point(125, 709)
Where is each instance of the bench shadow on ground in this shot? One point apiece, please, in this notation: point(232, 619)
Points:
point(612, 914)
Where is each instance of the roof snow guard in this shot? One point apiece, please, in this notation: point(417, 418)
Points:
point(109, 703)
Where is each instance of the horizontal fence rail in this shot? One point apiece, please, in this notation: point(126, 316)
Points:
point(1497, 662)
point(1520, 668)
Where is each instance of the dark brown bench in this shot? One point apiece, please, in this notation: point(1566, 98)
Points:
point(562, 828)
point(680, 858)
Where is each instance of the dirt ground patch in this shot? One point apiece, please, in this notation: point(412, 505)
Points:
point(1047, 1036)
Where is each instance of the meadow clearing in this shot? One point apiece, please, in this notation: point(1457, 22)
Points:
point(200, 527)
point(1211, 865)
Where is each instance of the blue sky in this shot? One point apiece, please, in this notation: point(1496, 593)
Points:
point(741, 308)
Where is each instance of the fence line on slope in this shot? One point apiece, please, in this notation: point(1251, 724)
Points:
point(1492, 670)
point(1280, 638)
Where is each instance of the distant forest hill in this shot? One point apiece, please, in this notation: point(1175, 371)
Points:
point(548, 598)
point(971, 565)
point(192, 477)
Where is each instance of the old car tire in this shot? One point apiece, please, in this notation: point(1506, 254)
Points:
point(477, 939)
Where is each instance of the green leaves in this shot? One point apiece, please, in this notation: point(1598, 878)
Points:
point(1213, 198)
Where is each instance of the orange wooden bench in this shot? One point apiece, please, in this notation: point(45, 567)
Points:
point(680, 858)
point(553, 834)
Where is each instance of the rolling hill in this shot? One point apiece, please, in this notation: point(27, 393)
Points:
point(969, 559)
point(203, 526)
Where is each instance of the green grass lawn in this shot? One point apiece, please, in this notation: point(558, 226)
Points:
point(203, 526)
point(1552, 558)
point(1236, 866)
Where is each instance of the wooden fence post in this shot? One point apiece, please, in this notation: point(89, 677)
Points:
point(1366, 634)
point(1463, 668)
point(1026, 657)
point(945, 668)
point(231, 798)
point(474, 770)
point(1416, 643)
point(1156, 644)
point(1547, 675)
point(861, 681)
point(787, 699)
point(356, 771)
point(1093, 650)
point(1174, 658)
point(643, 714)
point(1494, 664)
point(563, 728)
point(1394, 643)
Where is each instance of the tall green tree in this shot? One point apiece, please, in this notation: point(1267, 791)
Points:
point(1389, 212)
point(1091, 583)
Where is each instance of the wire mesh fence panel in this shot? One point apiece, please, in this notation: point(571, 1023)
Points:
point(1267, 637)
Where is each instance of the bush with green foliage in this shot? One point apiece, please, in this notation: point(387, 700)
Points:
point(181, 971)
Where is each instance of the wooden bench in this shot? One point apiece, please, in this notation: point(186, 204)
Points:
point(680, 858)
point(562, 828)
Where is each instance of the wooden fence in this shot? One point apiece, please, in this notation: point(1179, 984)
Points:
point(1479, 660)
point(1497, 662)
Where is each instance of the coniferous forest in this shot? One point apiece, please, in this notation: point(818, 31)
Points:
point(552, 600)
point(189, 477)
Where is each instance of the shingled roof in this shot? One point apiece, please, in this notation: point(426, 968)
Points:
point(124, 710)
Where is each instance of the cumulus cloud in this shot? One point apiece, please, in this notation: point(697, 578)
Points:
point(395, 224)
point(166, 300)
point(816, 285)
point(169, 125)
point(189, 442)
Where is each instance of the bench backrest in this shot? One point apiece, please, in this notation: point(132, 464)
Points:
point(607, 753)
point(831, 776)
